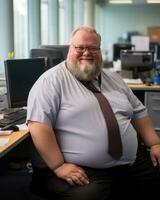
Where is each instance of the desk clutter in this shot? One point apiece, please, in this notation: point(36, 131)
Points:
point(5, 132)
point(11, 120)
point(133, 80)
point(12, 117)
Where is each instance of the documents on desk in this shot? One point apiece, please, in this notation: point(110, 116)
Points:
point(6, 132)
point(22, 126)
point(3, 141)
point(5, 135)
point(133, 80)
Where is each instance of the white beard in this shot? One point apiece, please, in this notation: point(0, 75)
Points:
point(85, 71)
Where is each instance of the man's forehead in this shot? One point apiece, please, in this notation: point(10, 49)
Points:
point(85, 35)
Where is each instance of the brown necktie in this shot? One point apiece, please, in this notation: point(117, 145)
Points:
point(114, 138)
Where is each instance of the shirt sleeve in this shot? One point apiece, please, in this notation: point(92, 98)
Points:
point(139, 109)
point(43, 101)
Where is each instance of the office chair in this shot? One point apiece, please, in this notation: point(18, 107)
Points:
point(36, 185)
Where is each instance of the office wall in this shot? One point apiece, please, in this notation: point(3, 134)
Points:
point(113, 21)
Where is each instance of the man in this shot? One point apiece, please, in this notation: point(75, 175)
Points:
point(70, 134)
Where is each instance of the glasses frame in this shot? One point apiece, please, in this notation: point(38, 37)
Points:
point(82, 49)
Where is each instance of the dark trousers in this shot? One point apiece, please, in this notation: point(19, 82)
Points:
point(140, 180)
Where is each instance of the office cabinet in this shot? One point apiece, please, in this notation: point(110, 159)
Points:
point(150, 97)
point(152, 102)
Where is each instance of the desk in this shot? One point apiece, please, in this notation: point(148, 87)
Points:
point(14, 139)
point(150, 97)
point(144, 87)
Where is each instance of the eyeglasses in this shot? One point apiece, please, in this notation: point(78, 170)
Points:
point(82, 49)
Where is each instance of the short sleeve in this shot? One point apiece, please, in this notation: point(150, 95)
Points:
point(43, 101)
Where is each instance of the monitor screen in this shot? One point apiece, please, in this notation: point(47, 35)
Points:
point(21, 74)
point(53, 56)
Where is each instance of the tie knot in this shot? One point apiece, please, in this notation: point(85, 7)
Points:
point(89, 85)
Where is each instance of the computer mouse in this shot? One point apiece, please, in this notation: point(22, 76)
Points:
point(10, 127)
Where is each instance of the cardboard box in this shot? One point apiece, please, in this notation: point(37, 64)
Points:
point(154, 34)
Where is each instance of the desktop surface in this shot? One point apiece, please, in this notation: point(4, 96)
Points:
point(14, 139)
point(144, 87)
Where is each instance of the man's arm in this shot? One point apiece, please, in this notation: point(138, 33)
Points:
point(145, 130)
point(44, 139)
point(45, 142)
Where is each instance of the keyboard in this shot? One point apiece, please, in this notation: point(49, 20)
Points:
point(13, 118)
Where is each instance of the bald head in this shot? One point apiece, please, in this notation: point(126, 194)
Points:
point(87, 29)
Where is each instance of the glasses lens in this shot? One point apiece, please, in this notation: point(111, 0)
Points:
point(93, 49)
point(81, 49)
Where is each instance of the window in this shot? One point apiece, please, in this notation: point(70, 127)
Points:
point(44, 22)
point(20, 28)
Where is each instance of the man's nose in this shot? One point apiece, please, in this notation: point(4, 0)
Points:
point(86, 51)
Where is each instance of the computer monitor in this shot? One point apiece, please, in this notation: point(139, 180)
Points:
point(54, 54)
point(52, 57)
point(21, 74)
point(136, 61)
point(118, 47)
point(61, 48)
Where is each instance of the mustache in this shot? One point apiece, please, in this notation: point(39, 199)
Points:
point(86, 58)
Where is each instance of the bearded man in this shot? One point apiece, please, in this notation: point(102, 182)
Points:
point(70, 134)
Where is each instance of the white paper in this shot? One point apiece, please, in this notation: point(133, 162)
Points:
point(3, 141)
point(6, 132)
point(141, 43)
point(22, 126)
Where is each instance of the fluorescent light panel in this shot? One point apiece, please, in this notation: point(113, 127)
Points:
point(153, 1)
point(120, 1)
point(131, 1)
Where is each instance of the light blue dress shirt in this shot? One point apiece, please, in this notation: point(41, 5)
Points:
point(61, 101)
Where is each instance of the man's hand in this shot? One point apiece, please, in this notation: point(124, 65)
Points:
point(155, 154)
point(72, 173)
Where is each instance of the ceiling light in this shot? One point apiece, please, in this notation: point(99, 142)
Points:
point(120, 1)
point(153, 1)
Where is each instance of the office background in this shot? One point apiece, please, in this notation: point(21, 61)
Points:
point(27, 24)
